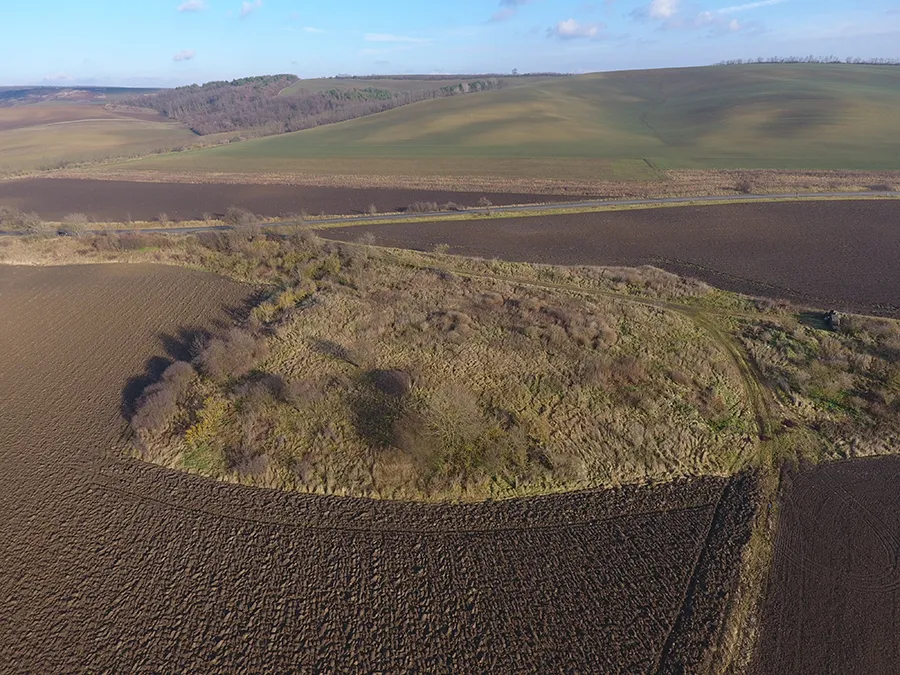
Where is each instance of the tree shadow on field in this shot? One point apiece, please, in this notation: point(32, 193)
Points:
point(179, 346)
point(182, 345)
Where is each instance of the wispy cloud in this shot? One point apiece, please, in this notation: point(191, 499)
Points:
point(58, 77)
point(662, 9)
point(184, 55)
point(310, 29)
point(193, 6)
point(389, 37)
point(508, 9)
point(572, 29)
point(248, 8)
point(750, 5)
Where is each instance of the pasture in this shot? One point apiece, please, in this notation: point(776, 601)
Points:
point(620, 125)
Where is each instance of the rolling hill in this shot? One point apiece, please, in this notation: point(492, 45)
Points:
point(620, 125)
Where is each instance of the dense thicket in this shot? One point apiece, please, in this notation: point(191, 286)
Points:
point(255, 103)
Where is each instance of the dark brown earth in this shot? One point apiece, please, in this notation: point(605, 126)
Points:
point(833, 601)
point(118, 201)
point(841, 254)
point(108, 564)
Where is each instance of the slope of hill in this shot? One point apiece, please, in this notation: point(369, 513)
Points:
point(792, 116)
point(52, 134)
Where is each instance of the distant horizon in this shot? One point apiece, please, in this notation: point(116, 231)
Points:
point(889, 63)
point(170, 43)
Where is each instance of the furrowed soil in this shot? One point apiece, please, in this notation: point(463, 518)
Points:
point(111, 564)
point(834, 593)
point(840, 254)
point(118, 201)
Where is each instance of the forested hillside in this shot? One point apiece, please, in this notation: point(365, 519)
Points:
point(275, 104)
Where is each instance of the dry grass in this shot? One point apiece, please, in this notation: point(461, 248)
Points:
point(424, 376)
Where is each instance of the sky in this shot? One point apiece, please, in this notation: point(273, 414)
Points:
point(174, 42)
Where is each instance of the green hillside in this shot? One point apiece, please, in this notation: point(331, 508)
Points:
point(751, 116)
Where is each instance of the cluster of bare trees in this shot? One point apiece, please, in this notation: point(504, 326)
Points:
point(855, 60)
point(261, 104)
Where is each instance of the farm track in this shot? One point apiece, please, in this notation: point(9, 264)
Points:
point(113, 564)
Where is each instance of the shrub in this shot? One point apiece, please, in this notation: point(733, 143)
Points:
point(238, 217)
point(233, 355)
point(75, 223)
point(423, 207)
point(372, 210)
point(745, 187)
point(15, 220)
point(159, 402)
point(485, 203)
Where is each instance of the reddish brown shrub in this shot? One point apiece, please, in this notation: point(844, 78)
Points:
point(233, 355)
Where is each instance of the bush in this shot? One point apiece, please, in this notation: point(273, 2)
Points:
point(238, 217)
point(745, 187)
point(423, 207)
point(75, 223)
point(14, 220)
point(485, 203)
point(159, 402)
point(233, 355)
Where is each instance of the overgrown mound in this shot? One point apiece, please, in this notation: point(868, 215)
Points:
point(375, 373)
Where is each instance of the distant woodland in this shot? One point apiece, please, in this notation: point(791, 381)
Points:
point(257, 103)
point(852, 60)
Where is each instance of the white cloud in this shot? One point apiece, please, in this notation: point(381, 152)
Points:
point(662, 9)
point(715, 21)
point(310, 29)
point(250, 7)
point(750, 5)
point(388, 37)
point(192, 6)
point(184, 55)
point(571, 29)
point(58, 77)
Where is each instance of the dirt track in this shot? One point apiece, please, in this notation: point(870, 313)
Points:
point(834, 254)
point(117, 201)
point(113, 564)
point(834, 593)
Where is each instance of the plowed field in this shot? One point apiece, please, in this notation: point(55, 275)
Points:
point(834, 595)
point(117, 201)
point(110, 564)
point(842, 253)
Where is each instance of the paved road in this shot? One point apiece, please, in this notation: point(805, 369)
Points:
point(529, 208)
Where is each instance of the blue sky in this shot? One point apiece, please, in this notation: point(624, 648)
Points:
point(170, 42)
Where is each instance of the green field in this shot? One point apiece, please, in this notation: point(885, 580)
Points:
point(610, 125)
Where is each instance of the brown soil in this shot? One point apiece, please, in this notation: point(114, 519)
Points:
point(102, 200)
point(834, 593)
point(839, 254)
point(111, 564)
point(676, 183)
